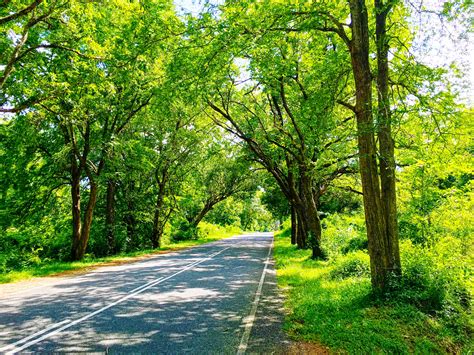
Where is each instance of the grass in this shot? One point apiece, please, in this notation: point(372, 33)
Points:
point(212, 233)
point(341, 315)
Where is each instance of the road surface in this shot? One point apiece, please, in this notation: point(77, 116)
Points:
point(215, 298)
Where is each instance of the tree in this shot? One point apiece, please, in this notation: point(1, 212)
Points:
point(176, 146)
point(285, 114)
point(222, 173)
point(382, 260)
point(100, 98)
point(30, 21)
point(329, 18)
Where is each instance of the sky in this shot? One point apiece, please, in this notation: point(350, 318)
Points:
point(440, 43)
point(193, 6)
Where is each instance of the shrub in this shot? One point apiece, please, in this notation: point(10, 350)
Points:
point(285, 229)
point(185, 232)
point(355, 244)
point(354, 264)
point(420, 285)
point(339, 230)
point(18, 260)
point(436, 281)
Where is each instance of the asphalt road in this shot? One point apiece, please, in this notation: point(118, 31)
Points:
point(215, 298)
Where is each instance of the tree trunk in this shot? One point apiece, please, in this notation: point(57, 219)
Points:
point(311, 217)
point(293, 226)
point(110, 218)
point(79, 246)
point(157, 230)
point(374, 216)
point(300, 231)
point(76, 207)
point(129, 217)
point(207, 207)
point(386, 144)
point(130, 223)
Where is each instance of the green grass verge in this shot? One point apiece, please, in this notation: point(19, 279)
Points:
point(211, 233)
point(341, 315)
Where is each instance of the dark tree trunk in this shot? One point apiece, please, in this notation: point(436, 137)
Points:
point(206, 209)
point(309, 230)
point(311, 217)
point(130, 225)
point(300, 231)
point(157, 231)
point(386, 144)
point(110, 218)
point(373, 209)
point(79, 246)
point(130, 220)
point(293, 226)
point(76, 207)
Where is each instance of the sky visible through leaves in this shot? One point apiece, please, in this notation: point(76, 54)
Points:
point(438, 43)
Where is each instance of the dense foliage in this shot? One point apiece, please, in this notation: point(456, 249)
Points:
point(127, 125)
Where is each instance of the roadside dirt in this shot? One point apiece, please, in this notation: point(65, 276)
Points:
point(297, 348)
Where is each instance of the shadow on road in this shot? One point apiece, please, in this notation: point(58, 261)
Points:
point(198, 310)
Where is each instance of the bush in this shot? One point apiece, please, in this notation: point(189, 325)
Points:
point(420, 284)
point(18, 260)
point(354, 264)
point(355, 244)
point(285, 229)
point(20, 249)
point(208, 229)
point(436, 281)
point(339, 230)
point(185, 231)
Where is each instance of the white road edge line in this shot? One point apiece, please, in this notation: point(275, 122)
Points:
point(139, 287)
point(250, 319)
point(5, 348)
point(90, 315)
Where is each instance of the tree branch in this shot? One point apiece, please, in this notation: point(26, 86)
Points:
point(347, 105)
point(22, 12)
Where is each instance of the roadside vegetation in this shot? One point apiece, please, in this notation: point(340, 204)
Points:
point(331, 302)
point(135, 126)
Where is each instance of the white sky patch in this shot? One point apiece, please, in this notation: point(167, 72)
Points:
point(14, 37)
point(6, 117)
point(194, 7)
point(244, 77)
point(441, 43)
point(44, 50)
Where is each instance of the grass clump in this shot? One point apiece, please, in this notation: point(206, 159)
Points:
point(354, 264)
point(330, 302)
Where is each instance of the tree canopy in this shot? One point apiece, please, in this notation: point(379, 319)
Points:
point(127, 123)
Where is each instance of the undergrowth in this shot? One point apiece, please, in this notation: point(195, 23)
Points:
point(330, 302)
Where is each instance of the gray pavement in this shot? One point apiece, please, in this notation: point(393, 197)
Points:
point(198, 300)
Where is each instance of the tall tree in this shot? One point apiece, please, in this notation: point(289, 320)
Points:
point(100, 97)
point(386, 141)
